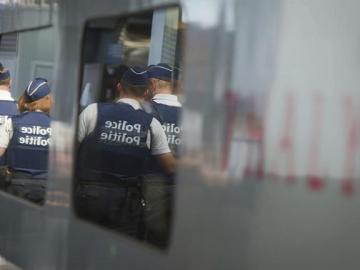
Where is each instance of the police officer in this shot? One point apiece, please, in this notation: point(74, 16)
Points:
point(8, 105)
point(8, 108)
point(165, 105)
point(166, 108)
point(26, 138)
point(115, 140)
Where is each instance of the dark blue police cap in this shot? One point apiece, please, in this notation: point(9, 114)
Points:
point(136, 76)
point(4, 74)
point(160, 71)
point(37, 89)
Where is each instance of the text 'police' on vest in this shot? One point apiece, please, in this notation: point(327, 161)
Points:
point(121, 132)
point(34, 135)
point(172, 133)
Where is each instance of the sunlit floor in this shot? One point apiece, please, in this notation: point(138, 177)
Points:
point(5, 265)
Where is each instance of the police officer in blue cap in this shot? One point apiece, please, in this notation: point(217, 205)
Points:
point(115, 140)
point(8, 108)
point(165, 107)
point(8, 105)
point(26, 138)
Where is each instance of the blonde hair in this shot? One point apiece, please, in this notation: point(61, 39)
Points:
point(162, 84)
point(44, 104)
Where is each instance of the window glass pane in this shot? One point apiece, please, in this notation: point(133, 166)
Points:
point(26, 78)
point(129, 125)
point(16, 15)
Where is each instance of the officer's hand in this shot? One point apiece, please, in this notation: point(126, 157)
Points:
point(167, 163)
point(2, 151)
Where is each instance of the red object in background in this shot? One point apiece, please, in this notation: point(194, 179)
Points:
point(286, 141)
point(232, 100)
point(347, 187)
point(315, 183)
point(260, 171)
point(352, 141)
point(254, 133)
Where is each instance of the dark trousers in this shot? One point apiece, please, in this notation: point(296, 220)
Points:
point(3, 177)
point(29, 189)
point(115, 206)
point(159, 212)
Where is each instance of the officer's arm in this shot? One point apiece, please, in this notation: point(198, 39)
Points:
point(2, 151)
point(160, 148)
point(87, 121)
point(5, 134)
point(167, 163)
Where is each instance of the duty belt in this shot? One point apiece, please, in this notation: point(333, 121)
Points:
point(23, 175)
point(22, 181)
point(21, 178)
point(130, 183)
point(121, 181)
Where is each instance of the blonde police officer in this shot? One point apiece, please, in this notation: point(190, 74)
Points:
point(26, 137)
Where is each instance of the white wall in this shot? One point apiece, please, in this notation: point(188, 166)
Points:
point(318, 66)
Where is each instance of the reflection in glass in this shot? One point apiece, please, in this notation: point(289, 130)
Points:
point(129, 129)
point(16, 15)
point(25, 112)
point(23, 2)
point(25, 139)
